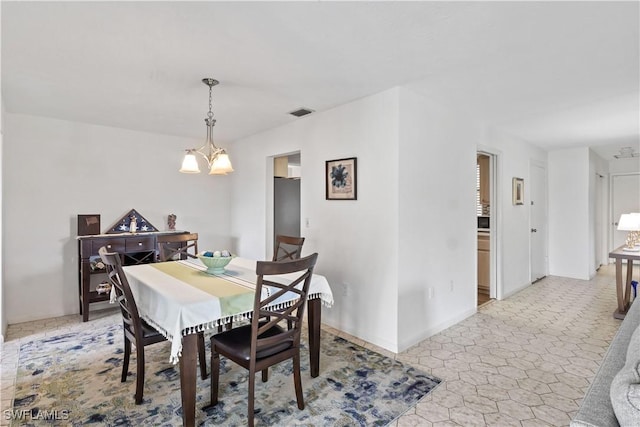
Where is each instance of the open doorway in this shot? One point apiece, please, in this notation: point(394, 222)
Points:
point(286, 195)
point(485, 200)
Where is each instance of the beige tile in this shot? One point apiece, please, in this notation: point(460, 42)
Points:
point(432, 412)
point(551, 415)
point(466, 416)
point(480, 404)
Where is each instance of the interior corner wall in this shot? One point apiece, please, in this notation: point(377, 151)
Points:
point(598, 167)
point(54, 170)
point(569, 213)
point(356, 240)
point(437, 211)
point(3, 312)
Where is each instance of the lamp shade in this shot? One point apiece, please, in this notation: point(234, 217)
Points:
point(190, 163)
point(221, 165)
point(629, 222)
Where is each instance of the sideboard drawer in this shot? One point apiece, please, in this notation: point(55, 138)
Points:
point(112, 245)
point(140, 244)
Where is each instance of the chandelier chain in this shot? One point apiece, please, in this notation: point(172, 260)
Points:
point(210, 113)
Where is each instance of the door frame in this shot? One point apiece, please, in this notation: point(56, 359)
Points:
point(542, 165)
point(269, 202)
point(495, 229)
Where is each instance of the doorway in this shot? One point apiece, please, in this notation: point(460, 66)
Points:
point(486, 215)
point(286, 195)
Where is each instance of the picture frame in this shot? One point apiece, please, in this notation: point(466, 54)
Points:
point(518, 191)
point(341, 176)
point(88, 225)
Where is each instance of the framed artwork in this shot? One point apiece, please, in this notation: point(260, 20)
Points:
point(341, 179)
point(518, 191)
point(88, 225)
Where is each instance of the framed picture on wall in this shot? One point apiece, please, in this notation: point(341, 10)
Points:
point(341, 179)
point(518, 191)
point(88, 225)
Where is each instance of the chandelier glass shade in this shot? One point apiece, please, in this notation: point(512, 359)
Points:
point(218, 161)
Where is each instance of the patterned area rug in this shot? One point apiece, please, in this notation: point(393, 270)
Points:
point(75, 378)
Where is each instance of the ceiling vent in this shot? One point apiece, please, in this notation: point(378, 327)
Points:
point(626, 153)
point(301, 112)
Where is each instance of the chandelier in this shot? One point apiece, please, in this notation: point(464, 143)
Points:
point(217, 158)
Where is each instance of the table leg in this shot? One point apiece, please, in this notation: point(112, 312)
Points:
point(188, 379)
point(621, 311)
point(627, 289)
point(314, 316)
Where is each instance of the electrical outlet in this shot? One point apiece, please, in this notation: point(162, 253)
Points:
point(451, 286)
point(345, 289)
point(306, 222)
point(430, 293)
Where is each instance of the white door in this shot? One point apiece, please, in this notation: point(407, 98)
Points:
point(538, 217)
point(625, 198)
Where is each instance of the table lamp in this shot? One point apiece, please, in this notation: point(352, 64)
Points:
point(630, 222)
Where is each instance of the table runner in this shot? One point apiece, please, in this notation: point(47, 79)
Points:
point(169, 302)
point(233, 298)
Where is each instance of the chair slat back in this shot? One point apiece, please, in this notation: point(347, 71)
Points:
point(267, 314)
point(125, 299)
point(287, 248)
point(177, 246)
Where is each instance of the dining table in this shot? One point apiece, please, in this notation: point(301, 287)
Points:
point(180, 299)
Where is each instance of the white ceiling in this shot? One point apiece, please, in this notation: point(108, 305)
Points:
point(557, 74)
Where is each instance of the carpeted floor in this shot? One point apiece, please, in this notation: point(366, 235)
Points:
point(75, 377)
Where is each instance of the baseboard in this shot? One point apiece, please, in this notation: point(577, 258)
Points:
point(515, 291)
point(435, 329)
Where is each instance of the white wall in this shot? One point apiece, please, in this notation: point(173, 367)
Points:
point(3, 312)
point(625, 165)
point(597, 222)
point(437, 232)
point(356, 240)
point(54, 170)
point(413, 226)
point(514, 160)
point(569, 213)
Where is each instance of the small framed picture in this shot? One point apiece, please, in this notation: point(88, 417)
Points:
point(342, 179)
point(518, 191)
point(88, 225)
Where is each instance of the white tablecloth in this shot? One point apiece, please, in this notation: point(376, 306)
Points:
point(176, 308)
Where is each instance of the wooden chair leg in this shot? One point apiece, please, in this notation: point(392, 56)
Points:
point(265, 375)
point(297, 382)
point(125, 361)
point(215, 375)
point(139, 373)
point(250, 403)
point(202, 356)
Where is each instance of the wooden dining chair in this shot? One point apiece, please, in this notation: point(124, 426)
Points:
point(136, 330)
point(287, 248)
point(264, 343)
point(177, 246)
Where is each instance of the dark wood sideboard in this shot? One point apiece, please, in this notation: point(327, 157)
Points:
point(141, 248)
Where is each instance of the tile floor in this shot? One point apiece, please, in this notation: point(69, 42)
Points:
point(524, 361)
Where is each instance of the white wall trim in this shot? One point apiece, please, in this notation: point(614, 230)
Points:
point(496, 199)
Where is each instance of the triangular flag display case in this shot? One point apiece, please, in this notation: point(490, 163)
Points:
point(124, 223)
